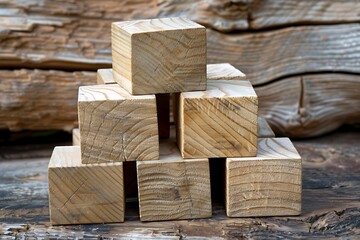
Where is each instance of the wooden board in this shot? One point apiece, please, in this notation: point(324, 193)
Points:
point(117, 126)
point(76, 137)
point(84, 193)
point(223, 71)
point(172, 187)
point(266, 185)
point(164, 55)
point(219, 122)
point(330, 204)
point(104, 76)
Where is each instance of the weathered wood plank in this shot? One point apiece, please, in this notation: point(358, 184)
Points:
point(84, 193)
point(116, 126)
point(310, 105)
point(270, 55)
point(331, 207)
point(40, 99)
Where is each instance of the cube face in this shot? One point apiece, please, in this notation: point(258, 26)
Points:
point(172, 187)
point(84, 193)
point(164, 56)
point(223, 71)
point(219, 122)
point(115, 127)
point(174, 190)
point(266, 185)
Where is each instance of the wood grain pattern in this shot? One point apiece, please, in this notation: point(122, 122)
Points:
point(84, 193)
point(310, 105)
point(104, 76)
point(117, 126)
point(172, 187)
point(265, 56)
point(76, 137)
point(266, 185)
point(159, 55)
point(218, 122)
point(223, 71)
point(40, 99)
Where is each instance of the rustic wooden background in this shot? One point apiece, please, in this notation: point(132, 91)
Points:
point(303, 57)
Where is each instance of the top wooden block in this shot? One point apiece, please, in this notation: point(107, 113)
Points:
point(159, 55)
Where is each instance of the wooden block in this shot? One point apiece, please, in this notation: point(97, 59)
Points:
point(266, 185)
point(173, 188)
point(116, 126)
point(76, 137)
point(105, 76)
point(219, 122)
point(159, 55)
point(84, 193)
point(224, 71)
point(264, 130)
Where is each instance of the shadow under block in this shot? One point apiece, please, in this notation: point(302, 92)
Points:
point(219, 122)
point(84, 193)
point(172, 187)
point(223, 71)
point(266, 185)
point(116, 126)
point(159, 55)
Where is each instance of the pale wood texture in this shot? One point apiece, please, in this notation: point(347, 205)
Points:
point(159, 55)
point(223, 71)
point(117, 126)
point(172, 187)
point(266, 185)
point(104, 76)
point(84, 193)
point(218, 122)
point(330, 203)
point(264, 130)
point(76, 137)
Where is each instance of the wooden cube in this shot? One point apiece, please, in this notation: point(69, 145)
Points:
point(84, 193)
point(76, 137)
point(219, 122)
point(172, 187)
point(264, 130)
point(159, 55)
point(266, 185)
point(104, 76)
point(224, 71)
point(116, 126)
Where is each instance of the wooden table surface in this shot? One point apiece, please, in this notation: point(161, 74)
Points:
point(330, 206)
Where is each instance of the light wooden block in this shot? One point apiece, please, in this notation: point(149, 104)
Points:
point(173, 188)
point(104, 76)
point(219, 122)
point(159, 55)
point(224, 71)
point(266, 185)
point(264, 130)
point(116, 126)
point(76, 137)
point(84, 193)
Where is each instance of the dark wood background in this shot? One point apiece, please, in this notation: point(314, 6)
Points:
point(303, 57)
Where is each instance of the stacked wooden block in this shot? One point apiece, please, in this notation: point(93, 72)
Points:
point(125, 118)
